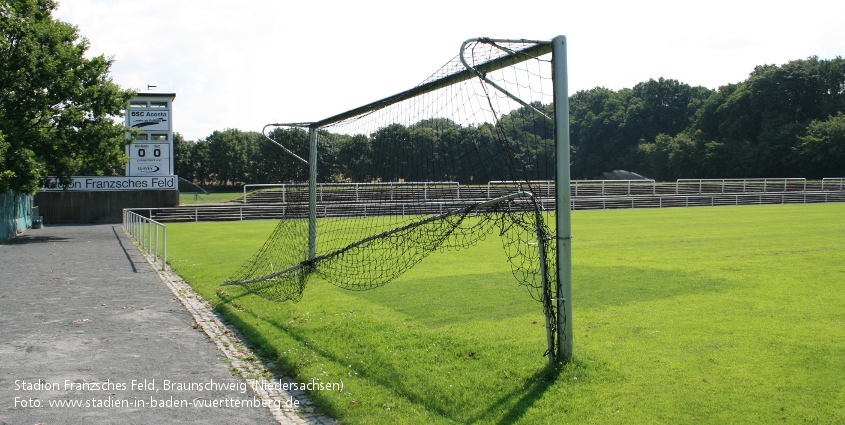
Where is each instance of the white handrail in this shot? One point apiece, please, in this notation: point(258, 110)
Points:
point(744, 182)
point(145, 232)
point(322, 186)
point(841, 181)
point(575, 184)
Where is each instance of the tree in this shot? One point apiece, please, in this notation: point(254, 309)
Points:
point(278, 166)
point(670, 158)
point(756, 126)
point(357, 154)
point(201, 162)
point(824, 147)
point(56, 106)
point(182, 161)
point(232, 154)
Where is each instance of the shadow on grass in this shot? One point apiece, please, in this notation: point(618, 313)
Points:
point(265, 350)
point(599, 287)
point(509, 408)
point(519, 401)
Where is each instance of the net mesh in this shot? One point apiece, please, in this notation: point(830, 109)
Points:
point(454, 162)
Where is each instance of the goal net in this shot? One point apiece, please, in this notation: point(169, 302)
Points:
point(397, 179)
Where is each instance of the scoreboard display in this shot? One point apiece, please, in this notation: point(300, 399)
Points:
point(149, 159)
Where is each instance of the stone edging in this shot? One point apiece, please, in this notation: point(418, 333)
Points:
point(242, 360)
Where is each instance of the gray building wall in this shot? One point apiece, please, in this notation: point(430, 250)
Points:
point(99, 207)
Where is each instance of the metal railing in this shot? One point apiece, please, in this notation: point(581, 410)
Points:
point(768, 184)
point(834, 183)
point(518, 183)
point(240, 212)
point(357, 187)
point(602, 187)
point(145, 232)
point(607, 184)
point(705, 199)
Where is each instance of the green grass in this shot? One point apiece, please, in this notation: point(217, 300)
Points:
point(207, 198)
point(701, 315)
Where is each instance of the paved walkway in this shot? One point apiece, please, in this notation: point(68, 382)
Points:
point(89, 333)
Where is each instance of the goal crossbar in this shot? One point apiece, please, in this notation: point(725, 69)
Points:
point(540, 48)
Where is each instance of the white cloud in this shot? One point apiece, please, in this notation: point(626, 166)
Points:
point(244, 64)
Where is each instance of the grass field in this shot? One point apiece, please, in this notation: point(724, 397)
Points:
point(701, 315)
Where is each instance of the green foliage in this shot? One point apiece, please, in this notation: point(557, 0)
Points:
point(780, 122)
point(823, 148)
point(430, 150)
point(757, 128)
point(232, 151)
point(6, 175)
point(183, 158)
point(56, 106)
point(277, 166)
point(357, 154)
point(701, 315)
point(607, 127)
point(669, 156)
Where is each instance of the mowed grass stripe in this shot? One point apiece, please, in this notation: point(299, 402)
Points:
point(700, 315)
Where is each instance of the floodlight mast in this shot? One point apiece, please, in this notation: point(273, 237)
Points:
point(564, 200)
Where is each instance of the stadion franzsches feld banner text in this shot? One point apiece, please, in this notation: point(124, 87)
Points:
point(97, 183)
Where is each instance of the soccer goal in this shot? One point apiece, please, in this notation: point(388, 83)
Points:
point(498, 111)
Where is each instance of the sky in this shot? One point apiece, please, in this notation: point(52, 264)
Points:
point(243, 64)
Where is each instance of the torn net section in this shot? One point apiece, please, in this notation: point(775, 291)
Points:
point(376, 260)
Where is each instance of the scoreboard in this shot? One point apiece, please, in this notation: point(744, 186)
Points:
point(149, 159)
point(150, 154)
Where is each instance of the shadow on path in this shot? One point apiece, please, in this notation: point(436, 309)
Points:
point(28, 239)
point(126, 253)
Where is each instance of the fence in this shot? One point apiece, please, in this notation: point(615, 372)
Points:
point(580, 187)
point(743, 185)
point(607, 185)
point(296, 211)
point(145, 232)
point(15, 214)
point(834, 183)
point(518, 184)
point(702, 200)
point(359, 187)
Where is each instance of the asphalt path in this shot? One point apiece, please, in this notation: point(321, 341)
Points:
point(89, 334)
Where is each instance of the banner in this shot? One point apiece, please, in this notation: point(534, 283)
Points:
point(112, 183)
point(149, 119)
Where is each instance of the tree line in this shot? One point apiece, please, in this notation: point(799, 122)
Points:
point(431, 150)
point(57, 118)
point(782, 121)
